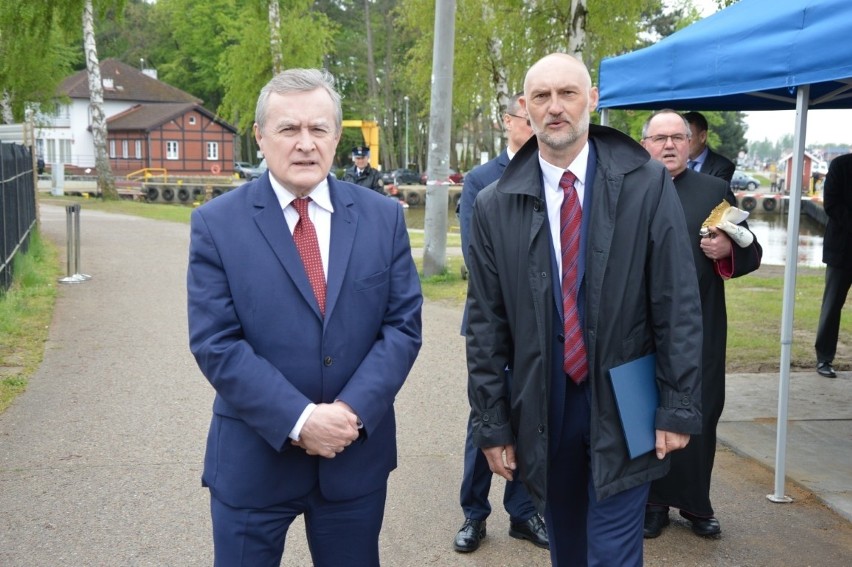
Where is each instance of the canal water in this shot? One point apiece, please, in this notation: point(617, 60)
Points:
point(770, 229)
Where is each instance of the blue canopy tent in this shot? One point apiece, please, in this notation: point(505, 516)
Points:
point(754, 55)
point(750, 56)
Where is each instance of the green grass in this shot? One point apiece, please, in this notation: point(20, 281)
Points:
point(25, 313)
point(754, 322)
point(155, 211)
point(447, 287)
point(418, 238)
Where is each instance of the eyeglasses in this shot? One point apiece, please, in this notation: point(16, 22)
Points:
point(660, 139)
point(521, 117)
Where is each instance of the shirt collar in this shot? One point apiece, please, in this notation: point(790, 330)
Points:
point(321, 194)
point(552, 174)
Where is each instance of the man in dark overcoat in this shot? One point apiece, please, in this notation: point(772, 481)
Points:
point(637, 294)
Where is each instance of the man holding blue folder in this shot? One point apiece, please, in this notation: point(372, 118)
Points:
point(580, 262)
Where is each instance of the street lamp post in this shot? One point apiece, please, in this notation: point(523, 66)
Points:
point(405, 98)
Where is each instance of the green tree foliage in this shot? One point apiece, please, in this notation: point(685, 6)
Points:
point(524, 32)
point(245, 64)
point(727, 133)
point(36, 52)
point(198, 34)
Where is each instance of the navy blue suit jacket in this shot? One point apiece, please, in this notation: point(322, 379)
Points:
point(478, 179)
point(258, 337)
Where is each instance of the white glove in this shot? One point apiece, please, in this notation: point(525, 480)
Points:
point(742, 236)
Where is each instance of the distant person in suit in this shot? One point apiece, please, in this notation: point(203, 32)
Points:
point(524, 521)
point(362, 173)
point(701, 157)
point(687, 484)
point(561, 303)
point(304, 315)
point(837, 255)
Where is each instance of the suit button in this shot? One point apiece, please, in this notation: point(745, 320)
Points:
point(327, 361)
point(684, 401)
point(544, 274)
point(560, 337)
point(485, 418)
point(540, 428)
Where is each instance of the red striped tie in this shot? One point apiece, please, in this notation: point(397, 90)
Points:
point(574, 361)
point(305, 236)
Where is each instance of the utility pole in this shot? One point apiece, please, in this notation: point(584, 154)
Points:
point(440, 119)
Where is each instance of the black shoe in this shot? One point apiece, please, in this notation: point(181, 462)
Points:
point(703, 526)
point(470, 536)
point(532, 530)
point(825, 369)
point(655, 521)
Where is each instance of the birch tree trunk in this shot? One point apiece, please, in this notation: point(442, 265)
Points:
point(372, 90)
point(6, 108)
point(498, 70)
point(275, 36)
point(577, 28)
point(106, 182)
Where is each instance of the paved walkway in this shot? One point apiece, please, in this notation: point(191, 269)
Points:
point(100, 458)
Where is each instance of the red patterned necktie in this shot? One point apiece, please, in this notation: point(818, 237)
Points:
point(305, 236)
point(574, 361)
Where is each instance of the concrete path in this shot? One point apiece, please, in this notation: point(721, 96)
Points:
point(100, 459)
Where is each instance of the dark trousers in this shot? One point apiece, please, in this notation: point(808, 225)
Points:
point(837, 283)
point(339, 533)
point(476, 483)
point(583, 531)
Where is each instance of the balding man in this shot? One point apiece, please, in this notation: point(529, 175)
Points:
point(580, 262)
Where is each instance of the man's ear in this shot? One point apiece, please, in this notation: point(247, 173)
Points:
point(594, 97)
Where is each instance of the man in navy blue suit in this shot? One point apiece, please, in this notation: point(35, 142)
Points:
point(524, 522)
point(701, 158)
point(304, 315)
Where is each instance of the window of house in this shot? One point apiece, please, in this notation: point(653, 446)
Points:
point(172, 150)
point(65, 151)
point(212, 150)
point(138, 149)
point(125, 149)
point(112, 148)
point(192, 119)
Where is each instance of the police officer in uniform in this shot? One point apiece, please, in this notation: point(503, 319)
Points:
point(361, 173)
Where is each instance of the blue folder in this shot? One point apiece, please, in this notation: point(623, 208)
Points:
point(634, 384)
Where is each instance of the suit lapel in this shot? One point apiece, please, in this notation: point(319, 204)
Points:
point(270, 221)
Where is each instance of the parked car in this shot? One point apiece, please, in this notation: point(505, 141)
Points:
point(259, 170)
point(245, 170)
point(401, 177)
point(742, 180)
point(454, 177)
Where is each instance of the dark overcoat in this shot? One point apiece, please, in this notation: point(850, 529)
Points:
point(640, 295)
point(718, 165)
point(837, 242)
point(687, 486)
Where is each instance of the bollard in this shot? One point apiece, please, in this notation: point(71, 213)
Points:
point(72, 226)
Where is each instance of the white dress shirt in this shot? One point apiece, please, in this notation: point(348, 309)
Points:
point(554, 195)
point(319, 211)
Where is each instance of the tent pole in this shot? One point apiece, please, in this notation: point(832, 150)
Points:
point(791, 264)
point(604, 112)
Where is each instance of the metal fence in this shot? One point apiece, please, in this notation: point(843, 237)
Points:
point(17, 206)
